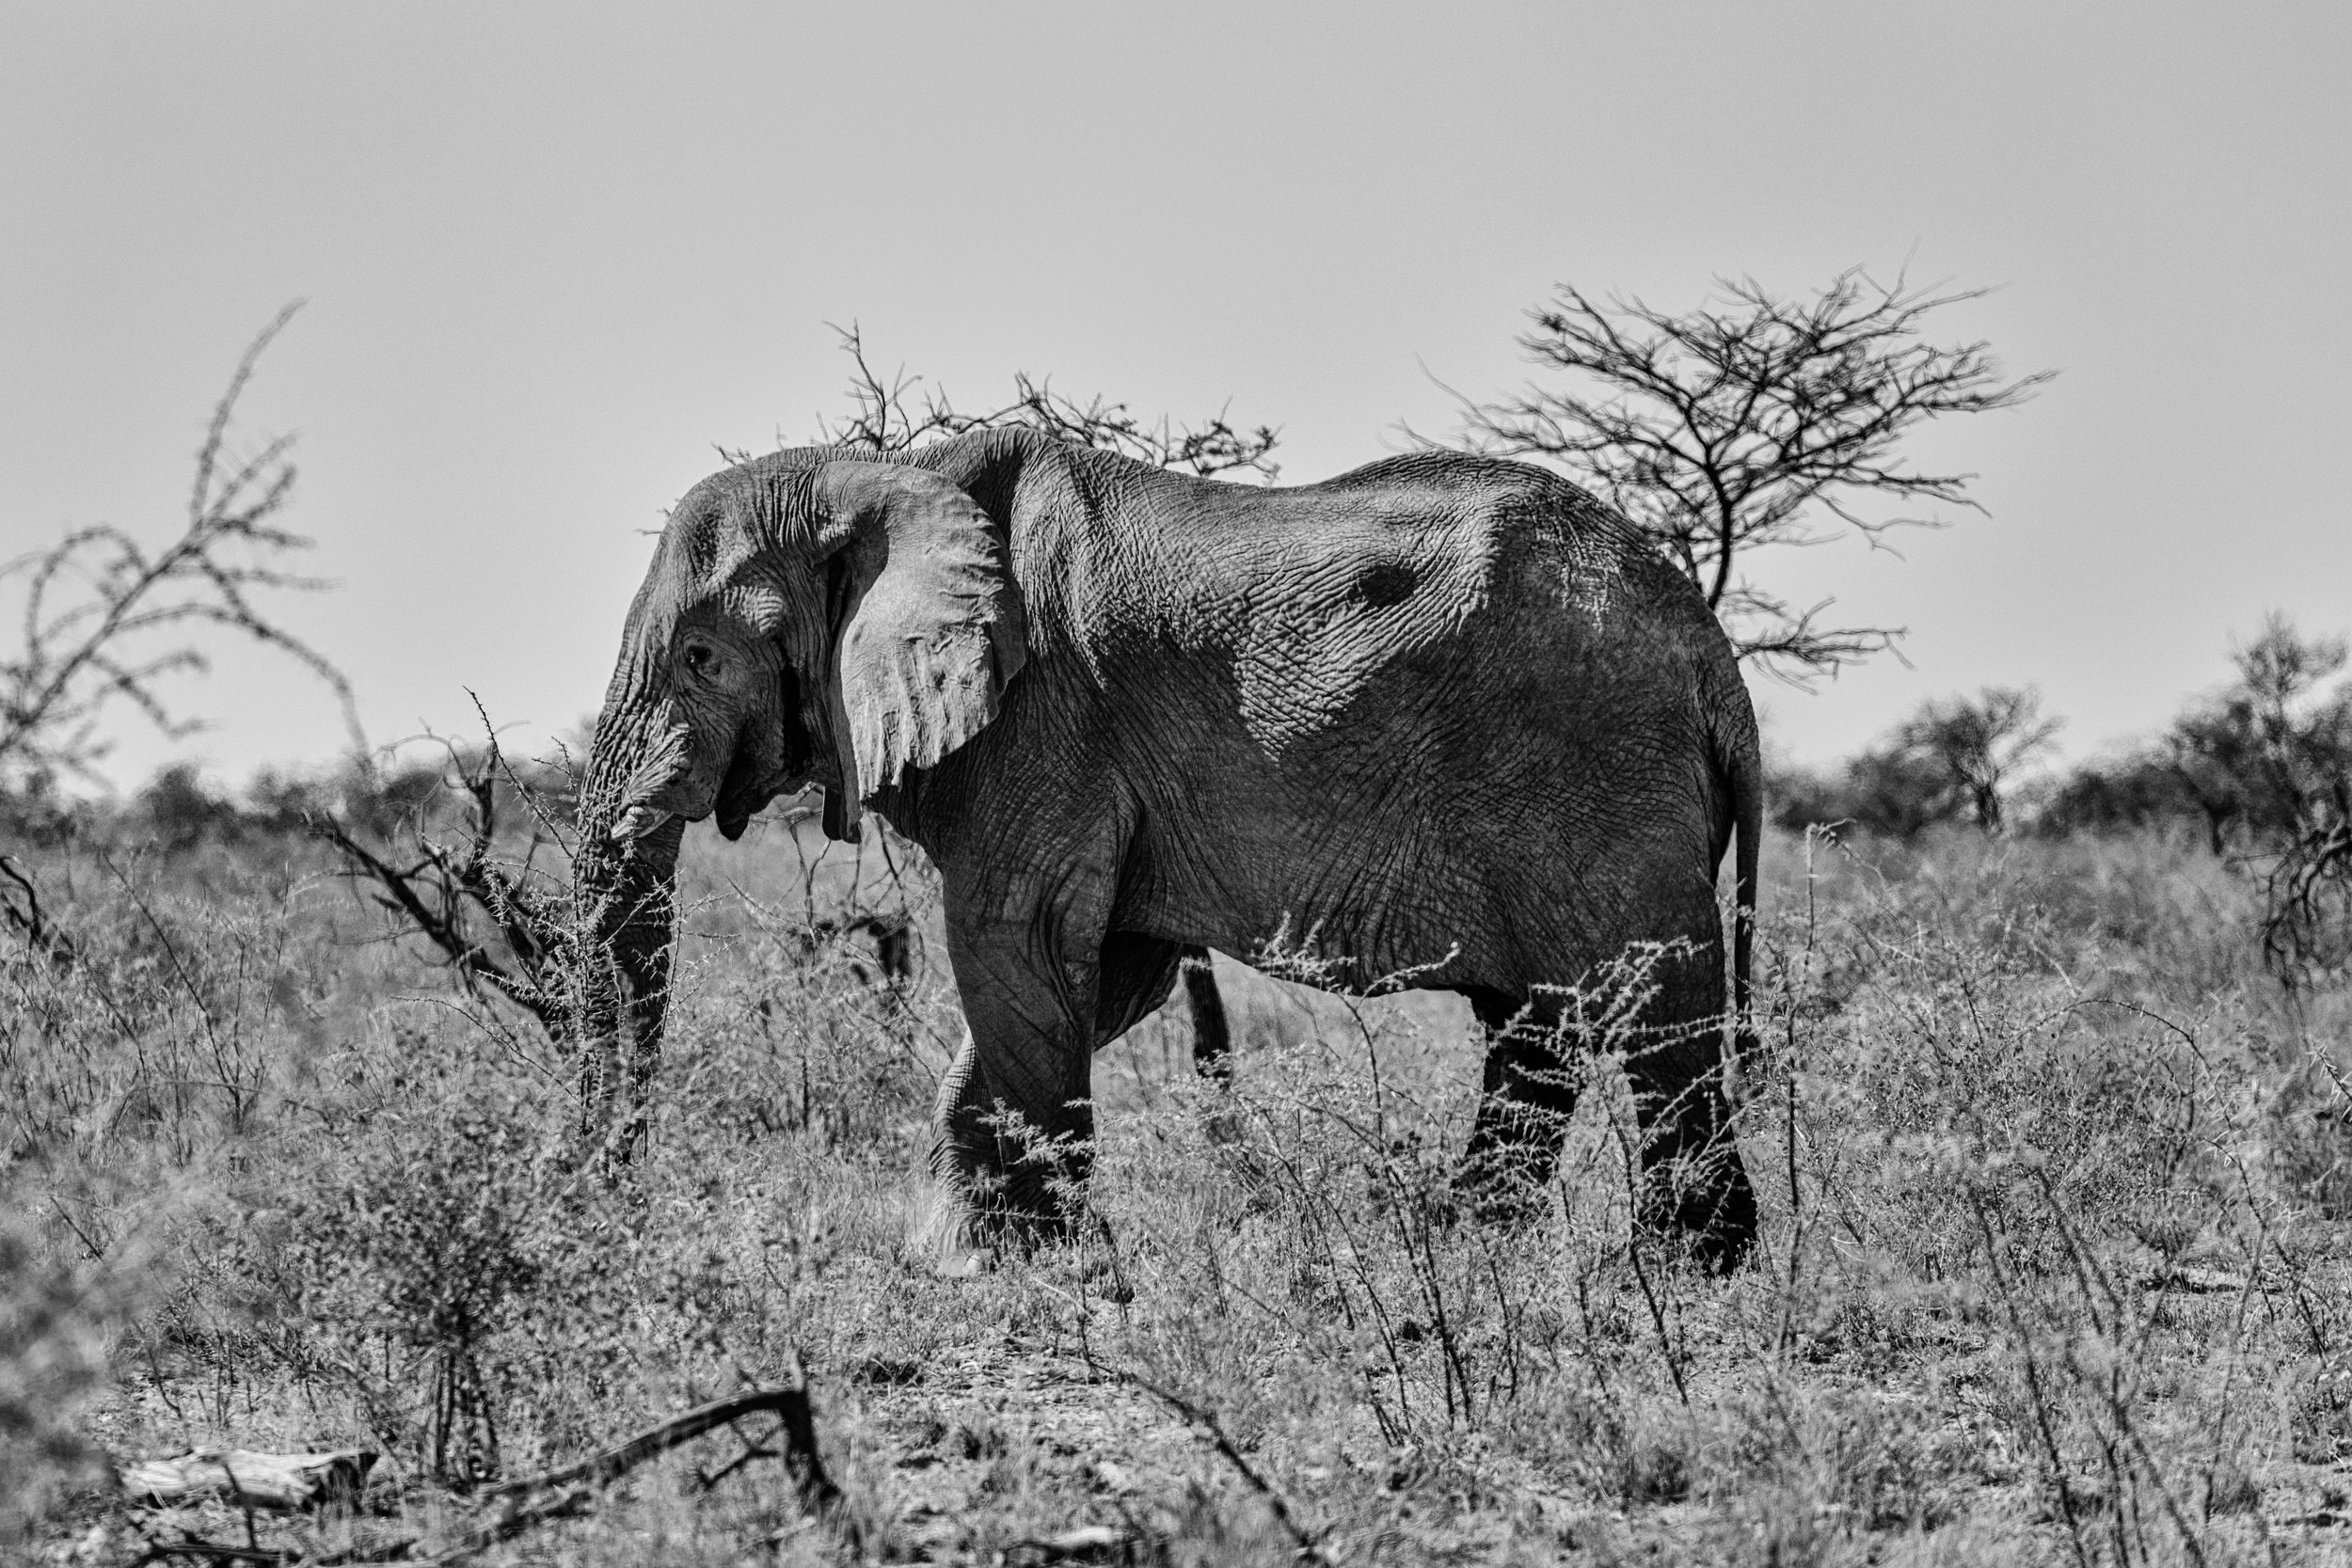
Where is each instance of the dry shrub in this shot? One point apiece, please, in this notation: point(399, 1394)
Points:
point(56, 1316)
point(373, 1214)
point(2040, 1164)
point(1996, 1153)
point(2052, 1177)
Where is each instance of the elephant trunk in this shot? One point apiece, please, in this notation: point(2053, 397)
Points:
point(626, 912)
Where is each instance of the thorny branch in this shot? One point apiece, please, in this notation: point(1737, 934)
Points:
point(19, 906)
point(96, 602)
point(2308, 890)
point(443, 891)
point(881, 419)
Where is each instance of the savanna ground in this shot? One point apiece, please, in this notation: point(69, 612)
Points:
point(2056, 1267)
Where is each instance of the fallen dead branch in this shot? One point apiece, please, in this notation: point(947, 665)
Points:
point(571, 1490)
point(790, 1404)
point(1086, 1543)
point(274, 1481)
point(193, 1550)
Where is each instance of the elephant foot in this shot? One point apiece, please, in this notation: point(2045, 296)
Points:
point(965, 1262)
point(1506, 1191)
point(942, 1236)
point(1505, 1174)
point(971, 1224)
point(1022, 1233)
point(1716, 1249)
point(1088, 1268)
point(1013, 1190)
point(1706, 1208)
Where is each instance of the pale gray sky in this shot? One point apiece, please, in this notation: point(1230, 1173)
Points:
point(553, 254)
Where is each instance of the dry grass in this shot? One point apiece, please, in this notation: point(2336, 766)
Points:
point(2055, 1268)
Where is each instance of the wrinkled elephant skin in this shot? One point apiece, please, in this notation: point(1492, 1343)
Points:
point(1442, 714)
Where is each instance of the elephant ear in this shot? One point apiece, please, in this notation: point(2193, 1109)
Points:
point(930, 632)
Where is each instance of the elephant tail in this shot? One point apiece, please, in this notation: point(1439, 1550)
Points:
point(1740, 758)
point(1747, 806)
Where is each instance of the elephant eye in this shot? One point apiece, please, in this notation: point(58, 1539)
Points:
point(700, 658)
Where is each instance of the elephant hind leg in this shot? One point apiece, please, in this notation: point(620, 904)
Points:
point(1693, 1185)
point(1134, 975)
point(1693, 1182)
point(1212, 1031)
point(1526, 1100)
point(1139, 973)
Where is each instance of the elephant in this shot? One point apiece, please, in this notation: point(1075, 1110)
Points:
point(1444, 717)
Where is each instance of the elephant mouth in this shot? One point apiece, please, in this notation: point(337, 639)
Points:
point(734, 810)
point(740, 796)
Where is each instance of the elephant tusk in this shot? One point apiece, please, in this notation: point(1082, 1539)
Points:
point(637, 822)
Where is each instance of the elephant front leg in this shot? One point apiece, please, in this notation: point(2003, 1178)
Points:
point(1014, 1163)
point(1015, 1121)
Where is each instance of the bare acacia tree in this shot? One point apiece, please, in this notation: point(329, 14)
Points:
point(2263, 754)
point(880, 418)
point(105, 621)
point(1975, 745)
point(1721, 430)
point(2271, 759)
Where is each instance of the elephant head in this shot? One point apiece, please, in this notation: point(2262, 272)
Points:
point(835, 621)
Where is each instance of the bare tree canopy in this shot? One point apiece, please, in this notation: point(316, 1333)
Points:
point(2260, 754)
point(103, 621)
point(1954, 757)
point(1976, 745)
point(880, 417)
point(1722, 430)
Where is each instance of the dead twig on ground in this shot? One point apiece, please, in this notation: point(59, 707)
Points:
point(194, 1550)
point(571, 1490)
point(1086, 1543)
